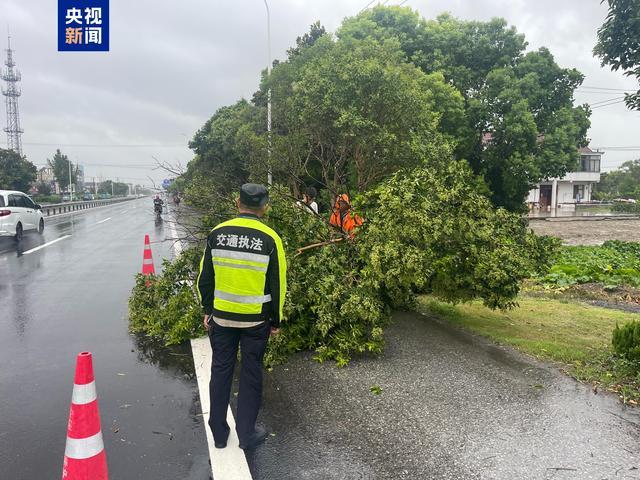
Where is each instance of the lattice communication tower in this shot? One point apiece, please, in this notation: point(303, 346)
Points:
point(11, 93)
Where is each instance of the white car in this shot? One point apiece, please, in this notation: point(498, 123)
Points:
point(19, 214)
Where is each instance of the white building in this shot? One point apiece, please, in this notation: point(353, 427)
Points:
point(575, 187)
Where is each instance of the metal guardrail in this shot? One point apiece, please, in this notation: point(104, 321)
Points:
point(68, 207)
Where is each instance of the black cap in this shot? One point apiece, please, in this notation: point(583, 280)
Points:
point(254, 195)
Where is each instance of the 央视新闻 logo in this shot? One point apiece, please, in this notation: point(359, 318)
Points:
point(83, 25)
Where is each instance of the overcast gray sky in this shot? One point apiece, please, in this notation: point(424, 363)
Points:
point(172, 64)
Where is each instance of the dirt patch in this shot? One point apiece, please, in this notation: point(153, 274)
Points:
point(620, 298)
point(589, 232)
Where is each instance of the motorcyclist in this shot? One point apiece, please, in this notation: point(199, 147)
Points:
point(158, 204)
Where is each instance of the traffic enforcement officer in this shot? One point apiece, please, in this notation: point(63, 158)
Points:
point(242, 286)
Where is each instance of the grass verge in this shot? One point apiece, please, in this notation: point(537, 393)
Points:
point(575, 334)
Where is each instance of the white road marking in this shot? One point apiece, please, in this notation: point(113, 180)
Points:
point(45, 245)
point(102, 221)
point(177, 244)
point(227, 463)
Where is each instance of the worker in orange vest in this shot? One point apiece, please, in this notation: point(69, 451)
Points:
point(342, 217)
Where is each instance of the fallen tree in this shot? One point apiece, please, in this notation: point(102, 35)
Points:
point(425, 230)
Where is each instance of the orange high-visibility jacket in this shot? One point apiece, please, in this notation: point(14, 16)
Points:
point(346, 221)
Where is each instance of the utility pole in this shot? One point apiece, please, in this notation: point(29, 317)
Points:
point(12, 92)
point(269, 172)
point(70, 181)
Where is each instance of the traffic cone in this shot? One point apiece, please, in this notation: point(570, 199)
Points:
point(84, 455)
point(147, 259)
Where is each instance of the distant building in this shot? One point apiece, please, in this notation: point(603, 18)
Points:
point(80, 178)
point(575, 187)
point(45, 175)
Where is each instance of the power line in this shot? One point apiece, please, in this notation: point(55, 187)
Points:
point(588, 92)
point(367, 6)
point(106, 145)
point(607, 88)
point(606, 101)
point(609, 104)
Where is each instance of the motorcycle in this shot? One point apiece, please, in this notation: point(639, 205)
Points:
point(157, 208)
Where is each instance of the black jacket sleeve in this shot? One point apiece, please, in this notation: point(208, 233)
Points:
point(273, 279)
point(206, 280)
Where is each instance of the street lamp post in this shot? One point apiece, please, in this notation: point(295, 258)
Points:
point(70, 181)
point(269, 172)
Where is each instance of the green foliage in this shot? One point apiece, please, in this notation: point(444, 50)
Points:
point(626, 341)
point(220, 145)
point(619, 42)
point(623, 182)
point(119, 189)
point(16, 172)
point(351, 112)
point(329, 308)
point(307, 40)
point(167, 308)
point(44, 188)
point(375, 389)
point(431, 231)
point(623, 207)
point(47, 199)
point(61, 167)
point(613, 264)
point(425, 231)
point(518, 125)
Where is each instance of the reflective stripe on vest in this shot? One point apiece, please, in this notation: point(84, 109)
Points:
point(250, 257)
point(239, 265)
point(241, 298)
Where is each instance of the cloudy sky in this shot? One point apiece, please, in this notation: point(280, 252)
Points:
point(172, 64)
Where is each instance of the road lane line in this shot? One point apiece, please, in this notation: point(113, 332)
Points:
point(45, 245)
point(102, 221)
point(177, 243)
point(227, 463)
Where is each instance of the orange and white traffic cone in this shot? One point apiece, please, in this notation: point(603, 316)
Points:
point(84, 455)
point(147, 259)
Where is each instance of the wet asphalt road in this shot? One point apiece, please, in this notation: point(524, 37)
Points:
point(72, 296)
point(453, 406)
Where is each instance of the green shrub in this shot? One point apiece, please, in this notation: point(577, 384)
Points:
point(47, 199)
point(432, 231)
point(626, 341)
point(623, 207)
point(165, 306)
point(613, 264)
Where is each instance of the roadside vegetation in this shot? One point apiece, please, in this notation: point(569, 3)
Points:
point(626, 207)
point(613, 264)
point(623, 182)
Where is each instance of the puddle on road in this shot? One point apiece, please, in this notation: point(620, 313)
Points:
point(175, 358)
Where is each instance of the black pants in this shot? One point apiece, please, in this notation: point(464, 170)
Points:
point(224, 343)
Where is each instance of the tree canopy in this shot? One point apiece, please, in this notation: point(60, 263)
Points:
point(61, 167)
point(519, 125)
point(619, 42)
point(119, 189)
point(16, 172)
point(621, 183)
point(352, 109)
